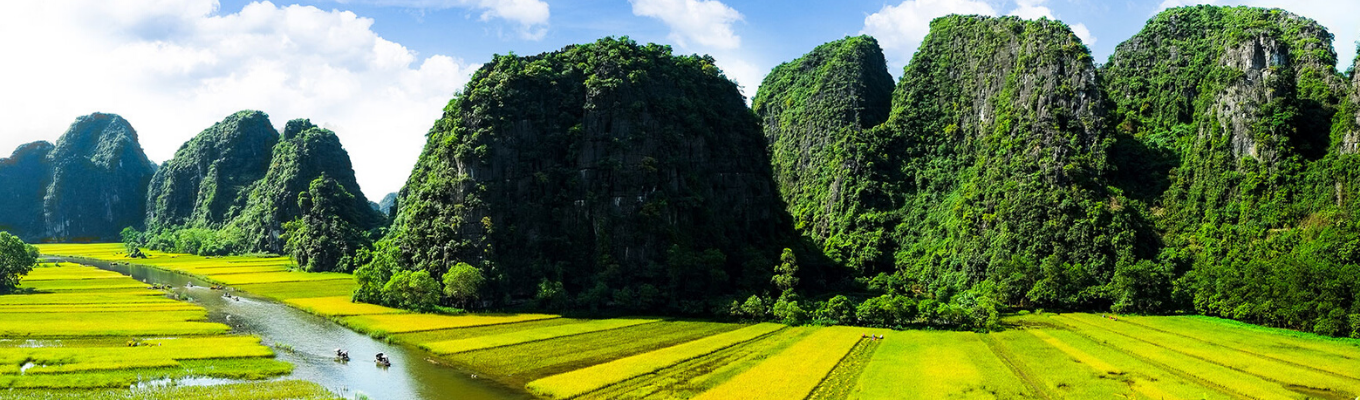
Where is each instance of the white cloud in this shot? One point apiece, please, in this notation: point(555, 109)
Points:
point(531, 15)
point(174, 71)
point(1339, 16)
point(900, 28)
point(704, 23)
point(1031, 9)
point(1083, 33)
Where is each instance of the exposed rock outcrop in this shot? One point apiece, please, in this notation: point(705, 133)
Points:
point(99, 181)
point(816, 110)
point(206, 183)
point(304, 153)
point(24, 178)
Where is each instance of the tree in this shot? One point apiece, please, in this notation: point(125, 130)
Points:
point(784, 278)
point(414, 290)
point(16, 260)
point(321, 237)
point(132, 240)
point(837, 310)
point(462, 283)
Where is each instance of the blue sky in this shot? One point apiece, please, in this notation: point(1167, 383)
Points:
point(378, 72)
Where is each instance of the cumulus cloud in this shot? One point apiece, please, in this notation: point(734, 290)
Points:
point(704, 23)
point(900, 28)
point(531, 15)
point(173, 68)
point(1337, 15)
point(705, 26)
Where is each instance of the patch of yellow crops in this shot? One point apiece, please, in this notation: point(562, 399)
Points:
point(70, 271)
point(72, 285)
point(584, 380)
point(108, 324)
point(290, 290)
point(794, 372)
point(339, 306)
point(530, 335)
point(400, 323)
point(68, 298)
point(272, 277)
point(77, 308)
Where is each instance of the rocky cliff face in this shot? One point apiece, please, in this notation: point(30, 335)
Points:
point(1199, 83)
point(816, 110)
point(205, 184)
point(99, 181)
point(611, 168)
point(1348, 127)
point(997, 155)
point(24, 178)
point(388, 205)
point(304, 153)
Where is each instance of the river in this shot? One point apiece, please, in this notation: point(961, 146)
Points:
point(314, 340)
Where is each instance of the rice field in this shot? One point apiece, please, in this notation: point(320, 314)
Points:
point(1044, 356)
point(94, 341)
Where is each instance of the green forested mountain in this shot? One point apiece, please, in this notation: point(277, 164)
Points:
point(235, 186)
point(87, 187)
point(1228, 132)
point(608, 174)
point(24, 178)
point(206, 183)
point(989, 172)
point(816, 111)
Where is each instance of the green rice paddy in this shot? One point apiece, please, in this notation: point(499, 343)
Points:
point(1047, 356)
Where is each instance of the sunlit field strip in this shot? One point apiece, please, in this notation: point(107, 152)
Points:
point(1226, 379)
point(689, 378)
point(230, 368)
point(578, 382)
point(339, 306)
point(83, 285)
point(291, 290)
point(1270, 369)
point(840, 382)
point(936, 365)
point(520, 364)
point(793, 373)
point(272, 277)
point(77, 308)
point(401, 323)
point(1336, 355)
point(100, 298)
point(531, 335)
point(1059, 374)
point(69, 271)
point(475, 331)
point(298, 390)
point(1146, 379)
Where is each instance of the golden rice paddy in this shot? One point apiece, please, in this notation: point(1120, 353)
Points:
point(1050, 356)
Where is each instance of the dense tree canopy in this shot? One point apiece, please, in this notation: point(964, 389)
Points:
point(16, 260)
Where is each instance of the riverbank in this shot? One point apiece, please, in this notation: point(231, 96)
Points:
point(1045, 355)
point(84, 329)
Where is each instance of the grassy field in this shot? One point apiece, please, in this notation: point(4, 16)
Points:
point(1045, 356)
point(64, 343)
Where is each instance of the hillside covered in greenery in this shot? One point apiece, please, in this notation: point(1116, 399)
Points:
point(604, 175)
point(238, 185)
point(1233, 132)
point(87, 187)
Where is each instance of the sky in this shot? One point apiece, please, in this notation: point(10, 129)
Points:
point(379, 72)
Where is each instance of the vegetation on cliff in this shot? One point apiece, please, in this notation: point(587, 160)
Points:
point(1228, 134)
point(604, 175)
point(236, 186)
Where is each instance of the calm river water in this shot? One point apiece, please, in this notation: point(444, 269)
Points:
point(314, 340)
